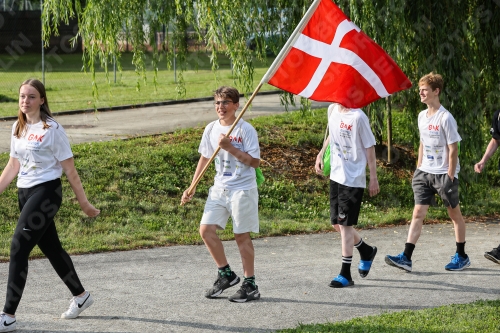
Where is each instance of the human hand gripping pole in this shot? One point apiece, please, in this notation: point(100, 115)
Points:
point(187, 195)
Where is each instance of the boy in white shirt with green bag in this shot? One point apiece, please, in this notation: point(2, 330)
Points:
point(352, 148)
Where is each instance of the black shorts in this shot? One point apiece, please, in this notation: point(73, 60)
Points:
point(426, 185)
point(345, 203)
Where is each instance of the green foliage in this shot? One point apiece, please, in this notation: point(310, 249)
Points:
point(224, 26)
point(456, 38)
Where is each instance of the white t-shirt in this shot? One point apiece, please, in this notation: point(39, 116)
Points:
point(231, 174)
point(39, 153)
point(436, 133)
point(350, 136)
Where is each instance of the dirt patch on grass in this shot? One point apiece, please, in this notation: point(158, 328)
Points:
point(297, 163)
point(403, 160)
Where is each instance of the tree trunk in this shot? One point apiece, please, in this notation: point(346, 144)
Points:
point(389, 128)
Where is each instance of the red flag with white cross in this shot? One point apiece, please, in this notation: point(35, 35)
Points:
point(329, 59)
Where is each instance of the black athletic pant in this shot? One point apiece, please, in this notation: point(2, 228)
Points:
point(38, 204)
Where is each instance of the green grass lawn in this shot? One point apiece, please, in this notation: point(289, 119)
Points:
point(138, 183)
point(480, 316)
point(70, 88)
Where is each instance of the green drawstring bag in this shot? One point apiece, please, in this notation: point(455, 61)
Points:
point(326, 161)
point(260, 176)
point(326, 154)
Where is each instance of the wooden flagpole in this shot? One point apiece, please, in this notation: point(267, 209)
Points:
point(270, 72)
point(247, 104)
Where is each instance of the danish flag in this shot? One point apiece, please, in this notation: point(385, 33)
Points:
point(329, 59)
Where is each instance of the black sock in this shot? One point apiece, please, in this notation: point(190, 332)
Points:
point(226, 270)
point(365, 250)
point(409, 247)
point(346, 268)
point(461, 250)
point(250, 280)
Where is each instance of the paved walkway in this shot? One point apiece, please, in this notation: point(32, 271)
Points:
point(110, 125)
point(161, 289)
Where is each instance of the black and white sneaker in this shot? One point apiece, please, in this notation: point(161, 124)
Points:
point(247, 292)
point(77, 305)
point(7, 323)
point(221, 284)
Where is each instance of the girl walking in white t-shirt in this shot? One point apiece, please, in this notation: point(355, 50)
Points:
point(40, 152)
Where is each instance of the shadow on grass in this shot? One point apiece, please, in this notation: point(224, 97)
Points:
point(7, 99)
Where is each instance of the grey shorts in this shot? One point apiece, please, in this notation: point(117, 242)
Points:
point(426, 185)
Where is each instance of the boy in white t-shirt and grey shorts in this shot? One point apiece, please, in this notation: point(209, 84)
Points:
point(437, 173)
point(234, 193)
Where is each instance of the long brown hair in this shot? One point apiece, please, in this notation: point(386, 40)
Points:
point(45, 113)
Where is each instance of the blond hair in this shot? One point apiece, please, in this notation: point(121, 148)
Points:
point(435, 81)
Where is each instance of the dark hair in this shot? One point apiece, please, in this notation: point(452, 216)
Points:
point(45, 113)
point(228, 92)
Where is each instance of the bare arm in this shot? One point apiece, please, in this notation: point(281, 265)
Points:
point(490, 150)
point(245, 158)
point(202, 162)
point(373, 188)
point(76, 184)
point(318, 167)
point(420, 154)
point(453, 158)
point(9, 173)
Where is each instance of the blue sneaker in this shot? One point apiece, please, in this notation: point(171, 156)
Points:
point(399, 261)
point(457, 263)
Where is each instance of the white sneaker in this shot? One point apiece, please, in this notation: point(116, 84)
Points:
point(77, 305)
point(7, 323)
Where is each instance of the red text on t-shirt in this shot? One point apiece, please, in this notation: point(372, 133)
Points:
point(345, 126)
point(34, 137)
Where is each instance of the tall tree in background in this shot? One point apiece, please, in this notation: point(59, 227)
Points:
point(460, 39)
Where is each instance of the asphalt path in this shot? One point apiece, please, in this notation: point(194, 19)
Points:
point(121, 124)
point(161, 289)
